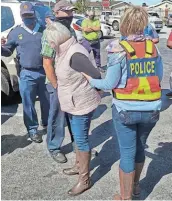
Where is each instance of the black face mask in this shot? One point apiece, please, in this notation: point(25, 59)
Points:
point(66, 21)
point(92, 17)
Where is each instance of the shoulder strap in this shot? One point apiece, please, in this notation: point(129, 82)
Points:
point(129, 49)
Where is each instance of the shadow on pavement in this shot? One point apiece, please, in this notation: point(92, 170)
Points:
point(160, 166)
point(7, 113)
point(166, 101)
point(8, 110)
point(106, 158)
point(10, 142)
point(99, 111)
point(106, 94)
point(66, 149)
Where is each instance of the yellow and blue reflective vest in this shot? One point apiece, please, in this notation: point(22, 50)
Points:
point(142, 79)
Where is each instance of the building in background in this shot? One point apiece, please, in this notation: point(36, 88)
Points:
point(163, 9)
point(97, 6)
point(118, 7)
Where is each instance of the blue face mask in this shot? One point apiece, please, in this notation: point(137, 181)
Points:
point(29, 21)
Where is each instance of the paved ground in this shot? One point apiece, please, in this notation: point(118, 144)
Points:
point(28, 172)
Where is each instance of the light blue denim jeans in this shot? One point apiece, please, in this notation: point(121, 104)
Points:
point(80, 125)
point(132, 129)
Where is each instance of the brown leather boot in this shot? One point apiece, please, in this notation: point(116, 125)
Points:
point(75, 169)
point(84, 179)
point(126, 185)
point(136, 188)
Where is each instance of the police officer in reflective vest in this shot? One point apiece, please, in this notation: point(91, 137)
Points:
point(26, 39)
point(134, 74)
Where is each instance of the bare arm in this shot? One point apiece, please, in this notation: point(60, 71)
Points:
point(96, 28)
point(169, 41)
point(87, 29)
point(49, 70)
point(169, 44)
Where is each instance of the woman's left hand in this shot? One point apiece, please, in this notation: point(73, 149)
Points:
point(87, 76)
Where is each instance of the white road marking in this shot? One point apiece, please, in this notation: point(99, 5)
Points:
point(11, 114)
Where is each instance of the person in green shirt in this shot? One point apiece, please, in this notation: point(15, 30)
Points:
point(90, 29)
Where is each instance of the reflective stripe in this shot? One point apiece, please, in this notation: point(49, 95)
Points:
point(138, 97)
point(149, 49)
point(141, 90)
point(129, 49)
point(142, 82)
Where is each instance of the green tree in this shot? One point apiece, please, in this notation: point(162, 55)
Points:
point(81, 5)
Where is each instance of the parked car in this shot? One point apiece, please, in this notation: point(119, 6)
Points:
point(114, 20)
point(10, 18)
point(76, 25)
point(110, 19)
point(155, 21)
point(105, 16)
point(169, 21)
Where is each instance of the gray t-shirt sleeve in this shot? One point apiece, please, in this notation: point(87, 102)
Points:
point(81, 63)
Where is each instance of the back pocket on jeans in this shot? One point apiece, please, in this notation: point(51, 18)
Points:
point(125, 117)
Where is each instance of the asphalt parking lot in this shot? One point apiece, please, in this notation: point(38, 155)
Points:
point(29, 173)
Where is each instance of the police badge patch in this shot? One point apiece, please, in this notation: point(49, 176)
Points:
point(20, 36)
point(25, 7)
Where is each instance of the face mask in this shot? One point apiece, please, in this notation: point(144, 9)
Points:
point(66, 21)
point(29, 21)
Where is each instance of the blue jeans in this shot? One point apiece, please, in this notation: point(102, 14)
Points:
point(80, 125)
point(132, 129)
point(31, 84)
point(56, 121)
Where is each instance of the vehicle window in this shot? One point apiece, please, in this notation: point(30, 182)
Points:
point(103, 13)
point(79, 22)
point(109, 13)
point(40, 13)
point(7, 19)
point(78, 17)
point(154, 14)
